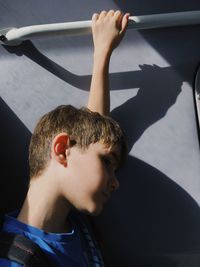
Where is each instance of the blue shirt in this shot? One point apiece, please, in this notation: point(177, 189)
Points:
point(77, 248)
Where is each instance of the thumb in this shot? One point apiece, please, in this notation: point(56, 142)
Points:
point(124, 23)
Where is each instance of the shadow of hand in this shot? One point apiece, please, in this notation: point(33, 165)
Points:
point(159, 89)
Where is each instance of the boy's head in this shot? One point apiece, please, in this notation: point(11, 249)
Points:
point(83, 144)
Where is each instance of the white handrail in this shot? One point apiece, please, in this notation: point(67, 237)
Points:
point(15, 36)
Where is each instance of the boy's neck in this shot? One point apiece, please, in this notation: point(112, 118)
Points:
point(44, 208)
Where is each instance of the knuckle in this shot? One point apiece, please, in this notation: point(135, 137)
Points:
point(118, 13)
point(95, 15)
point(111, 11)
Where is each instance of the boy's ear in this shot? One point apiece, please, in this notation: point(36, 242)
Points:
point(60, 148)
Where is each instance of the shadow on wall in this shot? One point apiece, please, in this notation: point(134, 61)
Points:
point(154, 83)
point(155, 221)
point(150, 213)
point(14, 138)
point(148, 218)
point(177, 45)
point(159, 89)
point(120, 80)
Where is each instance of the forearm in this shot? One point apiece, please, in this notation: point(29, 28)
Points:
point(99, 97)
point(108, 29)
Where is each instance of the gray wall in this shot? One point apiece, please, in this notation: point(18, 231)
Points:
point(156, 211)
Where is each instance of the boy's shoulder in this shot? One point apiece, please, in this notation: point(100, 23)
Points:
point(56, 247)
point(80, 241)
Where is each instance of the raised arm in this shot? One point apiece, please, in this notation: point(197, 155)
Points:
point(108, 29)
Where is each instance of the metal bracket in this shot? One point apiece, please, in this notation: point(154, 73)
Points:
point(3, 33)
point(5, 41)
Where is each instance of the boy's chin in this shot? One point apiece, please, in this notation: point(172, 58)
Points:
point(95, 211)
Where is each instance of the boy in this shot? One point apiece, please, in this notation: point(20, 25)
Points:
point(73, 156)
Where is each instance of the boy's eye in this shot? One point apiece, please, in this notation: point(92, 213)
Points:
point(107, 161)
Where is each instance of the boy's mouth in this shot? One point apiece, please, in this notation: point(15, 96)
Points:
point(106, 195)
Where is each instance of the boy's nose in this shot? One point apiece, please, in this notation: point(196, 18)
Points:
point(114, 184)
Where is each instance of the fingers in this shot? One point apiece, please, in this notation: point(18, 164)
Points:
point(118, 14)
point(95, 17)
point(102, 14)
point(121, 20)
point(124, 23)
point(118, 17)
point(111, 12)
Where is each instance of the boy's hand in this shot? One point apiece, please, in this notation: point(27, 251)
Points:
point(108, 29)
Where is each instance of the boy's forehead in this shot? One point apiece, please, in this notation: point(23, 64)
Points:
point(109, 148)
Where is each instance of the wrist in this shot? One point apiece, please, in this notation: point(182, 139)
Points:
point(103, 54)
point(101, 61)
